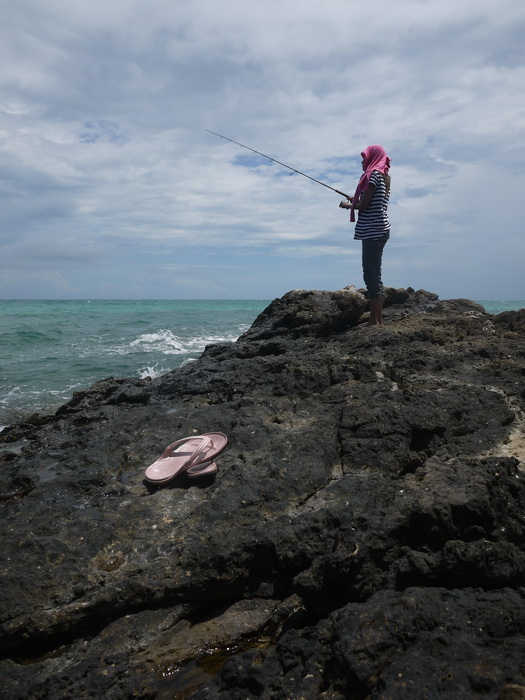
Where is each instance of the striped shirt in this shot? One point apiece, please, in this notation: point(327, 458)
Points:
point(373, 222)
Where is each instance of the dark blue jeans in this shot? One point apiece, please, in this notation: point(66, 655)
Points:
point(372, 259)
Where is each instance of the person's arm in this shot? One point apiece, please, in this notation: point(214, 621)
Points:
point(364, 202)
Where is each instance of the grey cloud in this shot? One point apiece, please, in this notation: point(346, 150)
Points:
point(102, 129)
point(416, 192)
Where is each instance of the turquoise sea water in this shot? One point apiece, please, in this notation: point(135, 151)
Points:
point(49, 349)
point(498, 307)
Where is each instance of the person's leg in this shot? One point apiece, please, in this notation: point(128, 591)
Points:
point(376, 308)
point(372, 259)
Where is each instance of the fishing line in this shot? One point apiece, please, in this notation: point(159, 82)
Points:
point(279, 162)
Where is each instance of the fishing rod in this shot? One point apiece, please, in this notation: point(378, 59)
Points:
point(279, 162)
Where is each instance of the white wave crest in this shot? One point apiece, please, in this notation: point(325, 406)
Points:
point(161, 342)
point(153, 372)
point(164, 341)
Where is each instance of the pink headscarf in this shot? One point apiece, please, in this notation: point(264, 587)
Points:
point(375, 158)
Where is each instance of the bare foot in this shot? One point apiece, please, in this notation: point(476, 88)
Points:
point(368, 324)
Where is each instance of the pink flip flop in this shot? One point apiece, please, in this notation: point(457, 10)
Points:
point(184, 454)
point(219, 442)
point(204, 469)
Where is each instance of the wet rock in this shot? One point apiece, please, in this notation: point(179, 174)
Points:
point(417, 643)
point(364, 536)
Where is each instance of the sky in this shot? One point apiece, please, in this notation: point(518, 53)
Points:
point(111, 187)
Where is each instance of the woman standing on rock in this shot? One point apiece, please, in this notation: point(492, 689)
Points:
point(372, 228)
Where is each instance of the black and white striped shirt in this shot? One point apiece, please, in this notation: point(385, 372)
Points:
point(373, 222)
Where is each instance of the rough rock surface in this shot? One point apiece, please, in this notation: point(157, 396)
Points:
point(364, 536)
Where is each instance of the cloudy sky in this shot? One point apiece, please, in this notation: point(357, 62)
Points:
point(111, 187)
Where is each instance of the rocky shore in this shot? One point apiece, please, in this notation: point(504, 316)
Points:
point(364, 536)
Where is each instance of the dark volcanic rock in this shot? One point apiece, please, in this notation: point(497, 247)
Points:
point(308, 313)
point(364, 536)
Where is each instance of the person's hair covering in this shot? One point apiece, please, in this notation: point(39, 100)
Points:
point(375, 158)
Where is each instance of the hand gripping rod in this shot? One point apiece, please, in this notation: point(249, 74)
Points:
point(279, 162)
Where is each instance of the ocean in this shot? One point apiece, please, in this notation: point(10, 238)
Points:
point(50, 349)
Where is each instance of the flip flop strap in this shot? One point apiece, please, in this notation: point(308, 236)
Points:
point(205, 442)
point(193, 461)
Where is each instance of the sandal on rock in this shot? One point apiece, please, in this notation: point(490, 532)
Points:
point(184, 454)
point(219, 442)
point(205, 469)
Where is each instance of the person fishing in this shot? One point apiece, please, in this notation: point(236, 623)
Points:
point(373, 227)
